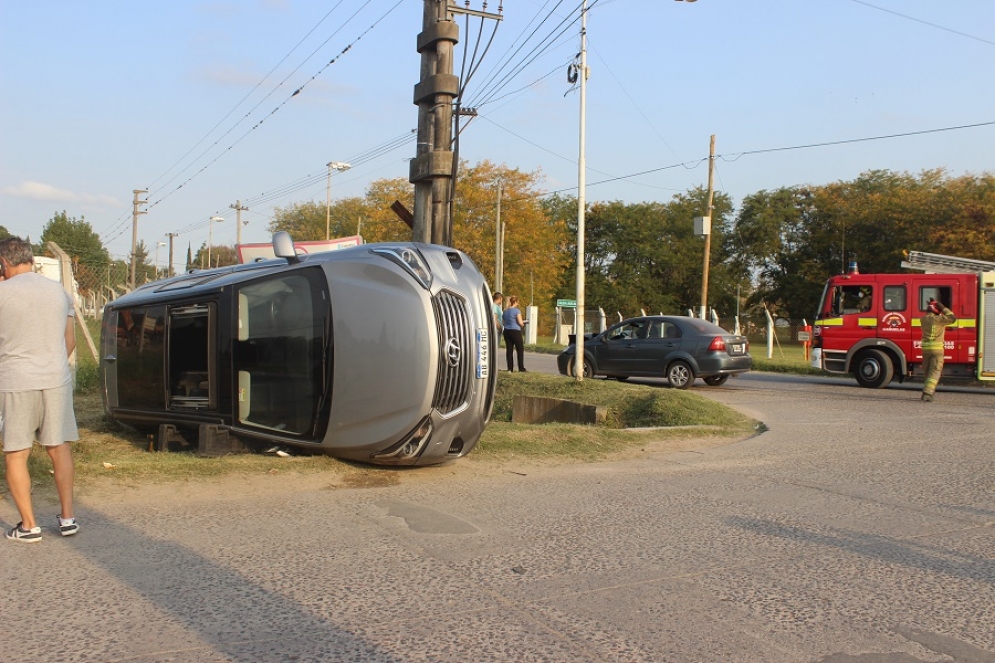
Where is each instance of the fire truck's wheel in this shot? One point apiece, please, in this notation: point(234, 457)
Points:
point(716, 380)
point(873, 369)
point(680, 375)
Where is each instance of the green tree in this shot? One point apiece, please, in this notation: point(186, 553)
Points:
point(645, 256)
point(77, 239)
point(533, 259)
point(793, 239)
point(221, 256)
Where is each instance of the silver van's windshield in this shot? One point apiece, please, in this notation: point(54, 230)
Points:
point(281, 351)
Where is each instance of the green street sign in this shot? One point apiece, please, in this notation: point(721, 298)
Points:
point(566, 303)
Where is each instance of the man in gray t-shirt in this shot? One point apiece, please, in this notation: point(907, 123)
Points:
point(37, 336)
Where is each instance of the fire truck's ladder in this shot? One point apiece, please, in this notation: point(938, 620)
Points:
point(936, 263)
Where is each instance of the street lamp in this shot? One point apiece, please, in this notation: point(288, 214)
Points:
point(158, 244)
point(210, 237)
point(332, 165)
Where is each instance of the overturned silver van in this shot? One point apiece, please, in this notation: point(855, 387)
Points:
point(381, 353)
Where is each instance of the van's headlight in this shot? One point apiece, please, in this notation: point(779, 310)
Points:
point(409, 258)
point(410, 447)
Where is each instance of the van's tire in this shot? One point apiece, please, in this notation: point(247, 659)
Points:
point(873, 369)
point(680, 375)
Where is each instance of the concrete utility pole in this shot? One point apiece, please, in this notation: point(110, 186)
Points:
point(134, 231)
point(582, 74)
point(708, 234)
point(332, 165)
point(238, 221)
point(431, 170)
point(169, 272)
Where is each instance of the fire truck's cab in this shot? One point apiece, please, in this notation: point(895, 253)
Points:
point(869, 325)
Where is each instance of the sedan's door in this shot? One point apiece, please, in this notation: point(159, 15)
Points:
point(618, 351)
point(664, 340)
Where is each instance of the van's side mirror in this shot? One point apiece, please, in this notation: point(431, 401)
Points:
point(283, 247)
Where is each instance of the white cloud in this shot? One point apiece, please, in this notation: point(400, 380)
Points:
point(48, 193)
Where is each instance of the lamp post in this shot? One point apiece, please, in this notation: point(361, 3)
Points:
point(157, 245)
point(332, 165)
point(210, 237)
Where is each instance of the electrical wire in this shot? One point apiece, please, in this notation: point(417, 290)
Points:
point(278, 107)
point(253, 90)
point(919, 20)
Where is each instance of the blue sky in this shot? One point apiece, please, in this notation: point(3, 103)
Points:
point(98, 99)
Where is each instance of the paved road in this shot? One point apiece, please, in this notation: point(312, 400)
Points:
point(859, 528)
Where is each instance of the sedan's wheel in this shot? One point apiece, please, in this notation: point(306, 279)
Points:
point(588, 369)
point(716, 380)
point(680, 375)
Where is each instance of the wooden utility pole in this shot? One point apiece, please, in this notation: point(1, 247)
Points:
point(238, 221)
point(708, 233)
point(431, 170)
point(134, 231)
point(498, 245)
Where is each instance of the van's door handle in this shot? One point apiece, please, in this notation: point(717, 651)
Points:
point(110, 359)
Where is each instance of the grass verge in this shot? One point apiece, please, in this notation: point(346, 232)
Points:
point(661, 413)
point(108, 451)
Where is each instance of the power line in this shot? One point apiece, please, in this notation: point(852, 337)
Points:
point(919, 20)
point(277, 108)
point(859, 140)
point(257, 86)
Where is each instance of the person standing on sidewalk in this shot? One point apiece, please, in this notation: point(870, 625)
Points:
point(513, 341)
point(37, 337)
point(934, 324)
point(498, 310)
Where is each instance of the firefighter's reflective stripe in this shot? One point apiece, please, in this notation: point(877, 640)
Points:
point(867, 322)
point(960, 324)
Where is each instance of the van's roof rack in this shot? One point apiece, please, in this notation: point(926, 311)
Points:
point(933, 263)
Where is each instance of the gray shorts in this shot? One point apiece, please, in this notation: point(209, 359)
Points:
point(46, 415)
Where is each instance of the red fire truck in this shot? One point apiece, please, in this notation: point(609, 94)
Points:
point(869, 324)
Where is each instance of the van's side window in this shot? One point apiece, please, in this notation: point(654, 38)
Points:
point(140, 350)
point(894, 298)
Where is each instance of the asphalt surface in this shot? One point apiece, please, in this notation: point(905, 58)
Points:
point(860, 527)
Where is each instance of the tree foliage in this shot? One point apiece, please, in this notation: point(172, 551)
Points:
point(77, 239)
point(533, 256)
point(646, 257)
point(793, 239)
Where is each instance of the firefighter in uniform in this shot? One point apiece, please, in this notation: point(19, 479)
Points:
point(934, 323)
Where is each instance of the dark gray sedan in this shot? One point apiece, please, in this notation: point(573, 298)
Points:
point(678, 348)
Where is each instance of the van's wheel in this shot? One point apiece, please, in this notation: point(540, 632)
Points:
point(716, 380)
point(588, 369)
point(873, 369)
point(680, 375)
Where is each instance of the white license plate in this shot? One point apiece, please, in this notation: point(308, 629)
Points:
point(483, 354)
point(737, 347)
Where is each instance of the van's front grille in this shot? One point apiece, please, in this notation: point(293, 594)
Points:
point(456, 353)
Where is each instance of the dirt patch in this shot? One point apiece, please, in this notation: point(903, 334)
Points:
point(111, 489)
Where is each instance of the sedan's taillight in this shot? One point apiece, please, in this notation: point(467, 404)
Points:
point(718, 345)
